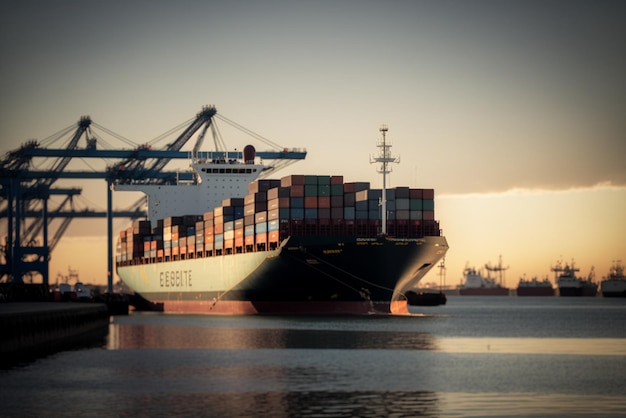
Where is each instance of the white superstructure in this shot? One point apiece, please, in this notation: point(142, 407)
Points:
point(217, 180)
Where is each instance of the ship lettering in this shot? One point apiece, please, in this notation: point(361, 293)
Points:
point(332, 251)
point(175, 278)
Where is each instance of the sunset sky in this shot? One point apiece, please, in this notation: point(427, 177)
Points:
point(513, 111)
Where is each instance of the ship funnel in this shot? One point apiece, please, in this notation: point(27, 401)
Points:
point(249, 153)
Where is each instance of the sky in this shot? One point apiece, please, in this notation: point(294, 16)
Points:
point(512, 111)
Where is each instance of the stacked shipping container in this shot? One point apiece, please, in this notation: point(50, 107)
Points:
point(276, 209)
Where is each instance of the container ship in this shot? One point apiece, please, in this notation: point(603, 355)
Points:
point(301, 244)
point(614, 284)
point(534, 287)
point(570, 285)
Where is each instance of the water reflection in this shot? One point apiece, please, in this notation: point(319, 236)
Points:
point(140, 336)
point(582, 346)
point(281, 404)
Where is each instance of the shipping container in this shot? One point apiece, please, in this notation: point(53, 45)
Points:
point(294, 179)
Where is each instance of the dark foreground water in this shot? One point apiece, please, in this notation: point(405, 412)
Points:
point(476, 356)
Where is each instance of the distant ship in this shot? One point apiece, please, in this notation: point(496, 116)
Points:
point(476, 285)
point(534, 287)
point(570, 285)
point(614, 285)
point(301, 244)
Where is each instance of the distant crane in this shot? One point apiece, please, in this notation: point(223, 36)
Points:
point(498, 269)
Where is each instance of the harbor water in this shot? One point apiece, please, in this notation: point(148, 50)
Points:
point(474, 357)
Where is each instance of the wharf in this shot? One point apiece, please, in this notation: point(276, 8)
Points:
point(32, 329)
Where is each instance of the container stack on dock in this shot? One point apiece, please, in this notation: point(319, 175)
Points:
point(275, 209)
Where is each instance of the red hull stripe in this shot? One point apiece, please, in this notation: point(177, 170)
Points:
point(249, 308)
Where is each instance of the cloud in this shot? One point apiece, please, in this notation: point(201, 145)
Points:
point(536, 191)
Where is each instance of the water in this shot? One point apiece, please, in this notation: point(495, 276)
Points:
point(476, 356)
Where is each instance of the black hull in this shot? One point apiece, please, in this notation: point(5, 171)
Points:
point(577, 291)
point(614, 294)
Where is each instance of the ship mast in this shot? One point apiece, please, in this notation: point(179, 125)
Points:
point(384, 158)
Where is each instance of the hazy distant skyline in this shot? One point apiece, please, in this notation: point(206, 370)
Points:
point(481, 97)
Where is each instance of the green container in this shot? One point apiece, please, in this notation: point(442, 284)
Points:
point(336, 190)
point(416, 204)
point(325, 180)
point(310, 190)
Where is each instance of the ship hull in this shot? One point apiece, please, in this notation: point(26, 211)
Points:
point(578, 291)
point(484, 291)
point(535, 291)
point(613, 288)
point(305, 275)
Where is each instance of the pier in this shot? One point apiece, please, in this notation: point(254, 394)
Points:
point(32, 329)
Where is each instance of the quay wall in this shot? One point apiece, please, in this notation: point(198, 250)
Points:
point(39, 328)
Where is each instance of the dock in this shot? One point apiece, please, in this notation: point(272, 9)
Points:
point(32, 329)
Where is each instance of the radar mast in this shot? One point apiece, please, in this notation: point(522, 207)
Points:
point(384, 158)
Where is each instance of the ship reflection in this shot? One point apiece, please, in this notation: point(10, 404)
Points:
point(139, 336)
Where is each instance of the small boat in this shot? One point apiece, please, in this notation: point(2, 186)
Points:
point(614, 285)
point(425, 298)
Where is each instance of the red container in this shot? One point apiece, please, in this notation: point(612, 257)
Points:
point(428, 194)
point(323, 202)
point(336, 179)
point(310, 202)
point(296, 190)
point(283, 202)
point(294, 179)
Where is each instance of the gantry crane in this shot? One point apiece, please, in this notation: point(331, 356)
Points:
point(21, 186)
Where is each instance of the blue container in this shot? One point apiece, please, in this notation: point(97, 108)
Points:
point(297, 213)
point(260, 227)
point(310, 213)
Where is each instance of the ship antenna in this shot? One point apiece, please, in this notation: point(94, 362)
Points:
point(384, 157)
